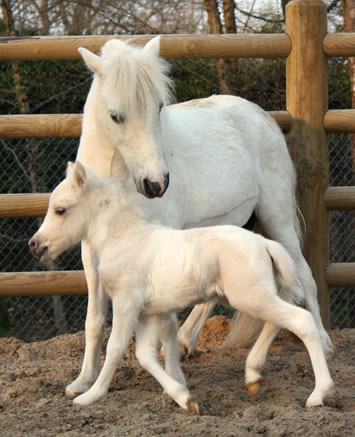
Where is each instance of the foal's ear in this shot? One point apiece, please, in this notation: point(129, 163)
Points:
point(92, 61)
point(153, 46)
point(79, 175)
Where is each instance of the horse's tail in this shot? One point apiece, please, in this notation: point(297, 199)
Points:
point(245, 328)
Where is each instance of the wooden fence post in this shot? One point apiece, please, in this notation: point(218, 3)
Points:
point(307, 100)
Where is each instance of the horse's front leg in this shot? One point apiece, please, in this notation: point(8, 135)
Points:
point(94, 328)
point(124, 323)
point(191, 330)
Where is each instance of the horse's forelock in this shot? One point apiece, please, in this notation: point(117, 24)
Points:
point(134, 79)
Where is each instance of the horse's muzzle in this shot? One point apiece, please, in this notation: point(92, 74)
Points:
point(38, 250)
point(153, 189)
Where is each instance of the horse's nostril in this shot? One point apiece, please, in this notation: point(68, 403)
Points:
point(151, 189)
point(33, 244)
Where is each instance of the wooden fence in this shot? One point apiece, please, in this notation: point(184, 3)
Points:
point(306, 45)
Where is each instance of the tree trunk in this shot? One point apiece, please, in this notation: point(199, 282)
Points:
point(226, 69)
point(349, 26)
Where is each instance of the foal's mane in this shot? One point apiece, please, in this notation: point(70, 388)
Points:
point(139, 78)
point(109, 195)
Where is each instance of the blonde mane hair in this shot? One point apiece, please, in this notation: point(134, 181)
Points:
point(139, 78)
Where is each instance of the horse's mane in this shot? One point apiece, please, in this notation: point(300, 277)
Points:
point(139, 78)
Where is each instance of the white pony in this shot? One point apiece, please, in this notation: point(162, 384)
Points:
point(227, 160)
point(149, 271)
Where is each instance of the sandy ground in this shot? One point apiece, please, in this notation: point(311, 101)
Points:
point(33, 379)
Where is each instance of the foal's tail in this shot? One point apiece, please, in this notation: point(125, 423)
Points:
point(285, 273)
point(245, 328)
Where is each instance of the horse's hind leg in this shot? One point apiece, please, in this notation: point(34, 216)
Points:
point(94, 329)
point(191, 330)
point(257, 357)
point(147, 336)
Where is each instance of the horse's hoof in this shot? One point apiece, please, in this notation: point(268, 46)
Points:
point(253, 388)
point(193, 406)
point(182, 351)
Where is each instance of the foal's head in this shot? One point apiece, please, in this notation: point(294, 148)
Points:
point(131, 87)
point(66, 220)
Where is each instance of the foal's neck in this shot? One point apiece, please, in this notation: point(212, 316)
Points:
point(112, 217)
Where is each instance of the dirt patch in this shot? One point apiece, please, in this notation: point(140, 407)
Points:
point(33, 379)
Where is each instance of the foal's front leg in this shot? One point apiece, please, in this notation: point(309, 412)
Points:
point(123, 325)
point(94, 328)
point(168, 335)
point(147, 337)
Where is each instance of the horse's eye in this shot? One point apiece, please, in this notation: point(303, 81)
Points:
point(161, 106)
point(60, 211)
point(117, 118)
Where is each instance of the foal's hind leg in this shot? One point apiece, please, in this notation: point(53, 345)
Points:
point(301, 322)
point(147, 336)
point(276, 211)
point(287, 236)
point(94, 329)
point(257, 357)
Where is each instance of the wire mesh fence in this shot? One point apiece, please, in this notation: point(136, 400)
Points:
point(38, 318)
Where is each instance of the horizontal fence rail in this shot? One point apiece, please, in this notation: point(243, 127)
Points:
point(172, 46)
point(74, 283)
point(41, 126)
point(23, 205)
point(340, 275)
point(339, 44)
point(340, 198)
point(43, 283)
point(340, 120)
point(69, 125)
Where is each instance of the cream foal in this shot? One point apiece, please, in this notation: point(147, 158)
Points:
point(150, 271)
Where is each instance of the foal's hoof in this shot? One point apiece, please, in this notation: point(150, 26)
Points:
point(193, 406)
point(253, 388)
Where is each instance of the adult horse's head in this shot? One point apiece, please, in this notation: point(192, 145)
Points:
point(130, 88)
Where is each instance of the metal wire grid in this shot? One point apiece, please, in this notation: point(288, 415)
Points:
point(38, 318)
point(341, 230)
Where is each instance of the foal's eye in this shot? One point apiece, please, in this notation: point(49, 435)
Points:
point(161, 106)
point(117, 118)
point(60, 211)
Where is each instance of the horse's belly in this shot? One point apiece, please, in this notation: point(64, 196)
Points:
point(236, 216)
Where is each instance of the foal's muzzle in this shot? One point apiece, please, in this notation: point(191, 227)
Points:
point(38, 250)
point(153, 189)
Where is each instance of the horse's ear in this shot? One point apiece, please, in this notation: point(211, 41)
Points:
point(153, 46)
point(91, 60)
point(79, 175)
point(70, 167)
